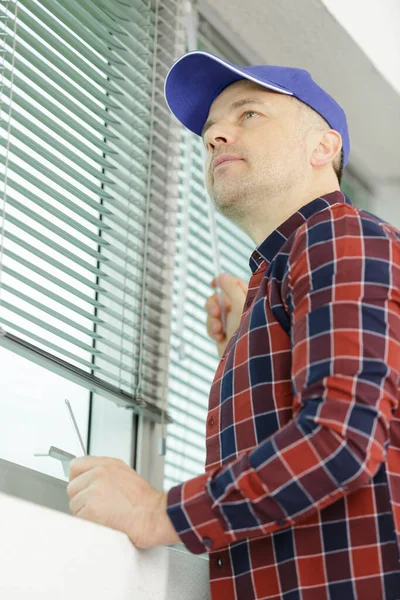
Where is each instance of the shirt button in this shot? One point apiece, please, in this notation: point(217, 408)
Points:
point(211, 422)
point(207, 542)
point(220, 562)
point(281, 522)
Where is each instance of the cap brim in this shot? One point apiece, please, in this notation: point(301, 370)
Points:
point(196, 79)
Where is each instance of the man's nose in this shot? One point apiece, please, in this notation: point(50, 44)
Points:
point(219, 134)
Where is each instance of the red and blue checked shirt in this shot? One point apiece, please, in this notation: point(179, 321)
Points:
point(300, 499)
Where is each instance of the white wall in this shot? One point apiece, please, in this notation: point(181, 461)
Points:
point(374, 25)
point(386, 203)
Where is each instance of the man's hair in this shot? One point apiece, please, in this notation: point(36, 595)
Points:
point(311, 119)
point(338, 165)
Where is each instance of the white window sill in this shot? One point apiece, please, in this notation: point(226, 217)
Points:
point(46, 554)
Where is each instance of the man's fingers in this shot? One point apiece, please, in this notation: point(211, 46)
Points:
point(216, 326)
point(213, 305)
point(215, 310)
point(82, 464)
point(214, 329)
point(82, 481)
point(77, 502)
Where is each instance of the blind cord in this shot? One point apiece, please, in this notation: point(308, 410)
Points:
point(3, 35)
point(192, 27)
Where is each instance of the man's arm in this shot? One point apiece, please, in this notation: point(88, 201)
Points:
point(343, 294)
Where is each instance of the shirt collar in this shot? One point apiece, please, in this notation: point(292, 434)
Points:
point(270, 247)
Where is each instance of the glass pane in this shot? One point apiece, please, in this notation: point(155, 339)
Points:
point(111, 430)
point(34, 416)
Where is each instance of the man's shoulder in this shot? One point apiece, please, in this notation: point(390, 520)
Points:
point(342, 219)
point(337, 227)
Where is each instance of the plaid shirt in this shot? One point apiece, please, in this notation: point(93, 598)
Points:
point(301, 495)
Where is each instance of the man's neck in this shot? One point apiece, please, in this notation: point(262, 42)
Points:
point(278, 210)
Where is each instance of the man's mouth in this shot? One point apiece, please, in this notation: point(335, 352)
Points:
point(225, 159)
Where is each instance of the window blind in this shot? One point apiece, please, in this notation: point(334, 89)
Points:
point(88, 195)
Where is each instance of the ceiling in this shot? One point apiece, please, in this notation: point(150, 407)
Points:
point(305, 34)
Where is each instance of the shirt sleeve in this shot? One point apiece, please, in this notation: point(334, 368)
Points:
point(342, 292)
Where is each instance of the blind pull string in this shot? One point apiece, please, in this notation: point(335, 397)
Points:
point(183, 26)
point(191, 27)
point(8, 134)
point(192, 31)
point(216, 254)
point(184, 254)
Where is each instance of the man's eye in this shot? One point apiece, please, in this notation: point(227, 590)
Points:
point(248, 112)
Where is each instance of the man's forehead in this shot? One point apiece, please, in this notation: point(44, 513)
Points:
point(240, 89)
point(240, 93)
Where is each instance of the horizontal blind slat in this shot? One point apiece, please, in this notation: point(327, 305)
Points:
point(44, 342)
point(51, 227)
point(87, 117)
point(75, 101)
point(95, 71)
point(89, 268)
point(59, 163)
point(61, 73)
point(82, 30)
point(55, 297)
point(50, 208)
point(101, 29)
point(40, 184)
point(52, 261)
point(64, 335)
point(86, 136)
point(72, 44)
point(88, 11)
point(63, 149)
point(47, 310)
point(50, 328)
point(52, 278)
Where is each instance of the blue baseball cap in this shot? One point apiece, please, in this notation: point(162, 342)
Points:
point(197, 78)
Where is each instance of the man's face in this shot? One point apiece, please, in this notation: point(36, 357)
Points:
point(260, 128)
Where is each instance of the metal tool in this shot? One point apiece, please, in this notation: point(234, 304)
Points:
point(61, 455)
point(75, 426)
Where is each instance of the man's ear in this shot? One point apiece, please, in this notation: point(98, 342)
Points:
point(329, 145)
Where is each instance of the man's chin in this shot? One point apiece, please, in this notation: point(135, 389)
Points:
point(229, 206)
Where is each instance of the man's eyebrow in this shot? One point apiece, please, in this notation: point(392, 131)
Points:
point(234, 105)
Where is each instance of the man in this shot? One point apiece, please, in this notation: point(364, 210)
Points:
point(301, 495)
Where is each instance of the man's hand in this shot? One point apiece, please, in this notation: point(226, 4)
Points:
point(234, 292)
point(108, 492)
